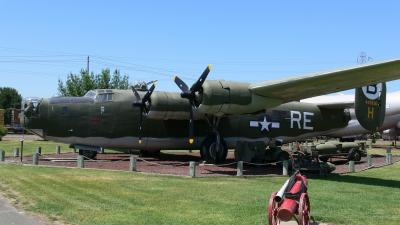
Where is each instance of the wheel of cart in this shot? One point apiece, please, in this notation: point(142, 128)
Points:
point(272, 210)
point(304, 209)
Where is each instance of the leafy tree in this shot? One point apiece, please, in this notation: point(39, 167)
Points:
point(9, 98)
point(79, 84)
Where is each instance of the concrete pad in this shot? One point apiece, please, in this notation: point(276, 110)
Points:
point(11, 216)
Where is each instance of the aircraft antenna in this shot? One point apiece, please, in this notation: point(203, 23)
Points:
point(87, 65)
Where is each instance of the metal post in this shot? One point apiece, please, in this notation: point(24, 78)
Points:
point(16, 152)
point(39, 150)
point(80, 161)
point(285, 168)
point(2, 155)
point(239, 171)
point(35, 159)
point(192, 169)
point(369, 160)
point(291, 146)
point(389, 158)
point(352, 168)
point(58, 150)
point(133, 163)
point(22, 150)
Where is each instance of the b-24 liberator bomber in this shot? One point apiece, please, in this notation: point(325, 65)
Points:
point(211, 115)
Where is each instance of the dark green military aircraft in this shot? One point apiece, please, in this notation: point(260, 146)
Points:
point(211, 115)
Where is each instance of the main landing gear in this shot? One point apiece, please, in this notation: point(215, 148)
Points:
point(214, 149)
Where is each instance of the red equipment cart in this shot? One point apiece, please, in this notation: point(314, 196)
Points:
point(291, 201)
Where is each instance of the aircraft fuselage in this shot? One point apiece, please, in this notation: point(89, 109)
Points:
point(114, 123)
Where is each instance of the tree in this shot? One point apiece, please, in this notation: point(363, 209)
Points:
point(9, 98)
point(78, 85)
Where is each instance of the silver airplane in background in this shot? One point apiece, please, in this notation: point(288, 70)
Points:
point(391, 123)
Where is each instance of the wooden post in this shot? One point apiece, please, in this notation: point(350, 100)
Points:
point(35, 159)
point(39, 150)
point(369, 160)
point(285, 168)
point(2, 155)
point(192, 169)
point(239, 171)
point(16, 152)
point(80, 161)
point(352, 168)
point(58, 150)
point(133, 163)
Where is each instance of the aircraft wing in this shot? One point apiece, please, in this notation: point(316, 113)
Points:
point(328, 82)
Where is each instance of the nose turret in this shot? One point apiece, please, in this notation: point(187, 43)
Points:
point(29, 111)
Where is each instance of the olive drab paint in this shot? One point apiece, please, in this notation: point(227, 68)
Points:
point(229, 111)
point(370, 106)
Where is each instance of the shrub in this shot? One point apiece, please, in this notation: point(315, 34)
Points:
point(3, 132)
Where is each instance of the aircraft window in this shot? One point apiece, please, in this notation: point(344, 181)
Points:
point(104, 97)
point(90, 94)
point(109, 97)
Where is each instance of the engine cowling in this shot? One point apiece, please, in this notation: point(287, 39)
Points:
point(221, 97)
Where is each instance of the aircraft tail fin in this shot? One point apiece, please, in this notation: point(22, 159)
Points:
point(370, 106)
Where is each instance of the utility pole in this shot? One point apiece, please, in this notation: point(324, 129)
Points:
point(87, 66)
point(363, 58)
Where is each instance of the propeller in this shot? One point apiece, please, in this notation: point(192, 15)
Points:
point(142, 103)
point(190, 94)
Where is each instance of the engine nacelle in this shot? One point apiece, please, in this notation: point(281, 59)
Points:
point(221, 97)
point(170, 105)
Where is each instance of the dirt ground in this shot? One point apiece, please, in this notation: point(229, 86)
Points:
point(177, 163)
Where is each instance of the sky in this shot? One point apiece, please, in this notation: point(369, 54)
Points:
point(251, 41)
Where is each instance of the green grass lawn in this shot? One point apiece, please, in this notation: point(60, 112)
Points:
point(82, 196)
point(31, 146)
point(380, 151)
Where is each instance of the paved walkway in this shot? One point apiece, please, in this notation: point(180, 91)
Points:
point(11, 216)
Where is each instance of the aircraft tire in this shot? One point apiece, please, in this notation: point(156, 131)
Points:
point(357, 156)
point(324, 158)
point(208, 150)
point(88, 154)
point(150, 154)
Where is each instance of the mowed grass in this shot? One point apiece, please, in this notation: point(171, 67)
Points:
point(30, 146)
point(84, 196)
point(380, 151)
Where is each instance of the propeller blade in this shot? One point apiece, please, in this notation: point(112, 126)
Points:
point(181, 84)
point(191, 127)
point(196, 86)
point(140, 125)
point(146, 97)
point(135, 93)
point(152, 82)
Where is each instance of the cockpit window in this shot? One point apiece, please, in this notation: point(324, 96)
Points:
point(100, 95)
point(90, 94)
